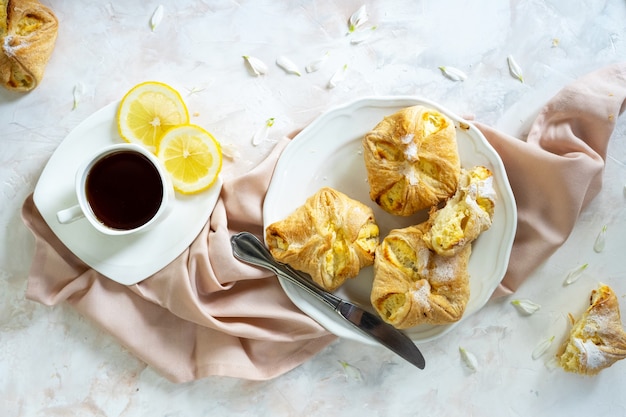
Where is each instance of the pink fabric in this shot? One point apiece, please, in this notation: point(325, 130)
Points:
point(208, 314)
point(205, 313)
point(558, 170)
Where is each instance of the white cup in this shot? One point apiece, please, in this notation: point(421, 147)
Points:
point(121, 189)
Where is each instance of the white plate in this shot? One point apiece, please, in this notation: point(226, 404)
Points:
point(328, 152)
point(126, 259)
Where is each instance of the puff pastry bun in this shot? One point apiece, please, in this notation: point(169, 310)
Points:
point(412, 160)
point(597, 340)
point(331, 237)
point(465, 216)
point(413, 285)
point(28, 32)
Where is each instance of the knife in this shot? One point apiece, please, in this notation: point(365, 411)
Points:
point(248, 248)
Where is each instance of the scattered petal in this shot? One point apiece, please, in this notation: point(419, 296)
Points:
point(514, 68)
point(195, 90)
point(230, 151)
point(526, 306)
point(452, 73)
point(352, 371)
point(287, 65)
point(574, 274)
point(598, 246)
point(156, 18)
point(469, 359)
point(542, 348)
point(552, 364)
point(79, 90)
point(357, 19)
point(263, 132)
point(362, 36)
point(337, 77)
point(258, 67)
point(317, 64)
point(555, 42)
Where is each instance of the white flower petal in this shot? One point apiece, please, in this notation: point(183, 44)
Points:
point(263, 132)
point(156, 18)
point(357, 19)
point(514, 68)
point(79, 90)
point(287, 65)
point(526, 306)
point(337, 77)
point(542, 348)
point(317, 64)
point(258, 67)
point(352, 371)
point(574, 274)
point(452, 73)
point(598, 245)
point(230, 151)
point(362, 35)
point(195, 90)
point(468, 359)
point(552, 364)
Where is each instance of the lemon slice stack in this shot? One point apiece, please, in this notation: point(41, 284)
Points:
point(154, 115)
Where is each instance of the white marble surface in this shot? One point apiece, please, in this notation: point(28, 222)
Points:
point(55, 363)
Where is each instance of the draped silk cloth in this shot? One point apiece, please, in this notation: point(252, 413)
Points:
point(208, 314)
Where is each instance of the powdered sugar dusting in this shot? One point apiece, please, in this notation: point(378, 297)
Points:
point(443, 269)
point(410, 152)
point(590, 354)
point(595, 322)
point(423, 256)
point(421, 293)
point(410, 175)
point(9, 48)
point(485, 189)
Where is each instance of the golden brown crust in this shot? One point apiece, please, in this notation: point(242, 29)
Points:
point(413, 285)
point(597, 340)
point(28, 35)
point(465, 216)
point(412, 160)
point(331, 237)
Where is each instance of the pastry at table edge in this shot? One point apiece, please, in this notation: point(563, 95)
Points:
point(465, 216)
point(330, 237)
point(28, 32)
point(412, 160)
point(413, 285)
point(597, 339)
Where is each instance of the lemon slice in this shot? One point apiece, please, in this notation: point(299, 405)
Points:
point(191, 156)
point(147, 111)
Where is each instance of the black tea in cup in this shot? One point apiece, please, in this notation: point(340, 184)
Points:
point(124, 190)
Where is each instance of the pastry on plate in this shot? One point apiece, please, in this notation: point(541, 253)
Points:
point(28, 32)
point(465, 216)
point(413, 285)
point(412, 160)
point(597, 340)
point(331, 237)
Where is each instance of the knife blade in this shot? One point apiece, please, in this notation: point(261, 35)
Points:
point(248, 248)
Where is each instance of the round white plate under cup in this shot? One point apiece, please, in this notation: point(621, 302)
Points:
point(126, 259)
point(329, 152)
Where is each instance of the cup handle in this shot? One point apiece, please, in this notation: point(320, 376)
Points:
point(70, 214)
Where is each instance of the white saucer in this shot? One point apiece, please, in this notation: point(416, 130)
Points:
point(126, 259)
point(328, 152)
